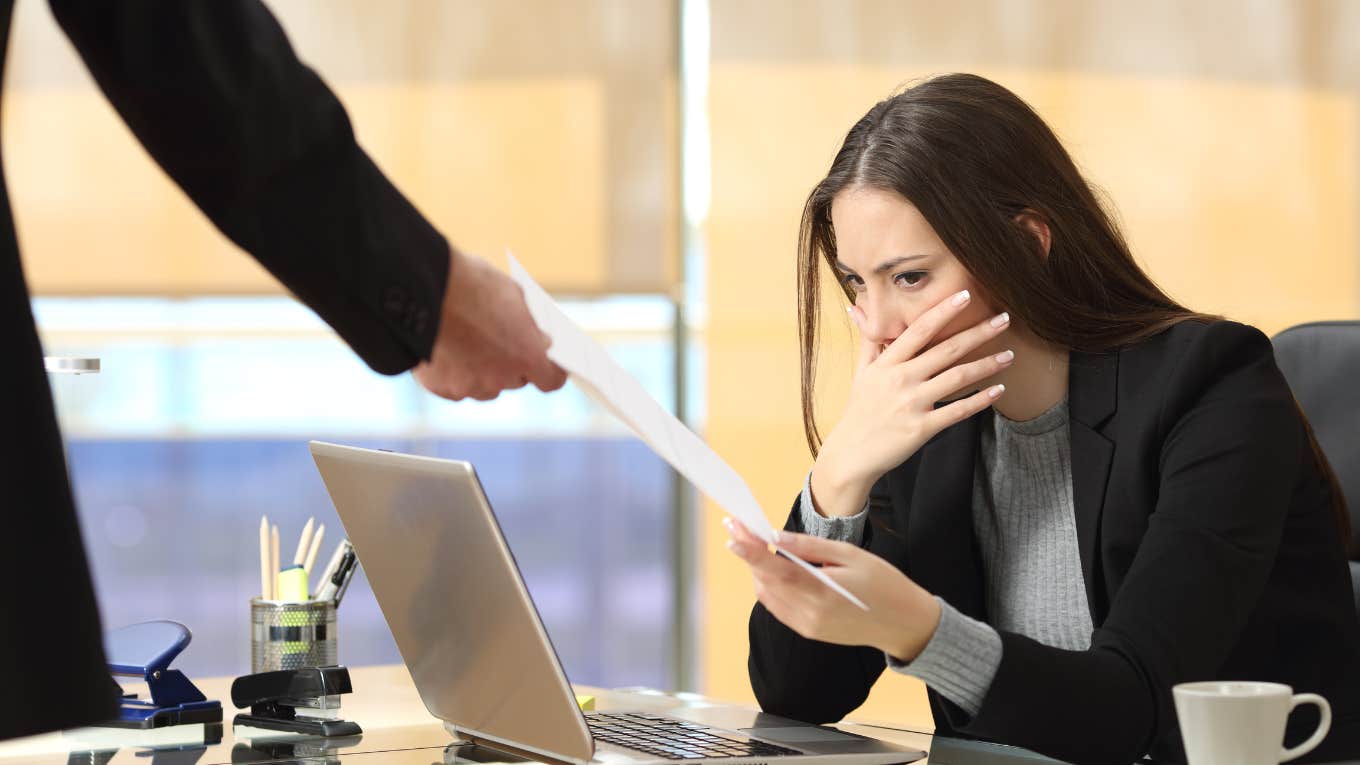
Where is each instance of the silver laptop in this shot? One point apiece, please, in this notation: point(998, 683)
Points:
point(476, 648)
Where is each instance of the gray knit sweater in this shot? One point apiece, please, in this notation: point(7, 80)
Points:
point(1026, 529)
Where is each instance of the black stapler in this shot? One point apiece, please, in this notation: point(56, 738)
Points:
point(274, 698)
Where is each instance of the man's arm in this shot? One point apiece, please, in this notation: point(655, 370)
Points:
point(215, 93)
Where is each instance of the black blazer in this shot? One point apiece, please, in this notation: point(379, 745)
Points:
point(255, 138)
point(1208, 550)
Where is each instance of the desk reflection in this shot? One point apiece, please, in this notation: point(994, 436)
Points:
point(314, 749)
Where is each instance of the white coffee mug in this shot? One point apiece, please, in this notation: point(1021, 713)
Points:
point(1242, 722)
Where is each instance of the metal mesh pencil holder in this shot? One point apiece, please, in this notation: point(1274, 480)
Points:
point(287, 635)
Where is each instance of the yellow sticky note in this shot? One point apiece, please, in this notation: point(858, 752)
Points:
point(586, 703)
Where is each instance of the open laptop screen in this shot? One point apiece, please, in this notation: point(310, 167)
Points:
point(454, 599)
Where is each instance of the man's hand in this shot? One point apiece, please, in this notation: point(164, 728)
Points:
point(487, 341)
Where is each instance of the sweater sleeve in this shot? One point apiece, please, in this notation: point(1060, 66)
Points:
point(960, 660)
point(844, 529)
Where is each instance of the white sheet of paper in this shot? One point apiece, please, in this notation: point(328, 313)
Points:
point(595, 372)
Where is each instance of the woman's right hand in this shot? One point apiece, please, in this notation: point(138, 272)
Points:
point(891, 412)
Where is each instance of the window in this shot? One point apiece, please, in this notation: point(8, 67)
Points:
point(198, 423)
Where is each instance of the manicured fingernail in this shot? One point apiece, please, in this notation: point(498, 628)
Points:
point(727, 524)
point(1001, 320)
point(732, 546)
point(995, 391)
point(1005, 357)
point(849, 309)
point(782, 537)
point(960, 298)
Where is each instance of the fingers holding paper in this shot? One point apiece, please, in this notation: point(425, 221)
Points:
point(604, 380)
point(900, 618)
point(487, 341)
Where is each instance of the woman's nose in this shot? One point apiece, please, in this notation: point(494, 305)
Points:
point(883, 327)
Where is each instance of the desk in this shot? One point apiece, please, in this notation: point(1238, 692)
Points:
point(397, 729)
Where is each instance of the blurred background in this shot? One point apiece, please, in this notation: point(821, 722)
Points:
point(647, 160)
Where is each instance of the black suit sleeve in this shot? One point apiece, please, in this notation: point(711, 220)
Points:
point(215, 93)
point(804, 679)
point(1231, 458)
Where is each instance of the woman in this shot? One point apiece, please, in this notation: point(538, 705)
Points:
point(1059, 492)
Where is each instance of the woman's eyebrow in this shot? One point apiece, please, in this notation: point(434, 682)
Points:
point(886, 265)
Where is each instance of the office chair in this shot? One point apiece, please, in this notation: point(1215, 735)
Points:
point(1321, 361)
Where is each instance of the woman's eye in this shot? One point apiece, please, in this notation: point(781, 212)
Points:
point(852, 283)
point(909, 278)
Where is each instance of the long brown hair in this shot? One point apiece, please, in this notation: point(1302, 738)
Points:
point(972, 156)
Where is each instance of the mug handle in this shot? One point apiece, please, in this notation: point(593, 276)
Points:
point(1324, 725)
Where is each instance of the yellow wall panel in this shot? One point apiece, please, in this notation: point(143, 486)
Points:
point(96, 216)
point(499, 164)
point(1239, 198)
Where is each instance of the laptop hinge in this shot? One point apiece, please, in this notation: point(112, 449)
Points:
point(501, 746)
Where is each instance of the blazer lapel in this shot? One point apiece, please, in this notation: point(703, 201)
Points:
point(1092, 391)
point(942, 552)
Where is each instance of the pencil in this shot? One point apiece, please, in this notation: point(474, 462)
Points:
point(303, 543)
point(312, 551)
point(329, 570)
point(274, 562)
point(265, 589)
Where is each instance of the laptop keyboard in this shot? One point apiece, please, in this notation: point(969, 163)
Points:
point(672, 739)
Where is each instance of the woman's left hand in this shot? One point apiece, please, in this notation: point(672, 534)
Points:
point(901, 618)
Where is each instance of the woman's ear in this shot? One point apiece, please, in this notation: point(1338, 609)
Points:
point(1032, 222)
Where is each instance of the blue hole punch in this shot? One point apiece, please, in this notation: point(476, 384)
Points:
point(145, 651)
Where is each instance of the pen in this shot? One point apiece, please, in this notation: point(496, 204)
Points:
point(330, 585)
point(329, 571)
point(347, 568)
